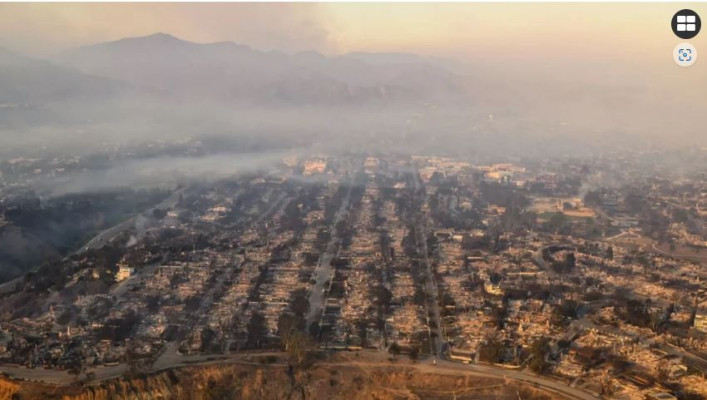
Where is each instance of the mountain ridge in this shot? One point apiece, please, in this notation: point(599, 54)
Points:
point(236, 72)
point(27, 80)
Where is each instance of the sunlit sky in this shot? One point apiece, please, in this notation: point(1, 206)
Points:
point(598, 41)
point(462, 30)
point(530, 47)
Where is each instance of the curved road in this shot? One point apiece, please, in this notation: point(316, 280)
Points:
point(441, 367)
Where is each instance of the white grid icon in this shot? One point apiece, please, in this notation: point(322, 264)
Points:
point(686, 23)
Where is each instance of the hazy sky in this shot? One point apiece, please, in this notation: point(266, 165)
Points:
point(482, 30)
point(609, 47)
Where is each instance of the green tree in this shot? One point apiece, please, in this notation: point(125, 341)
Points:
point(362, 326)
point(592, 198)
point(208, 336)
point(539, 351)
point(556, 223)
point(288, 324)
point(414, 354)
point(381, 298)
point(256, 330)
point(299, 346)
point(300, 303)
point(493, 351)
point(394, 349)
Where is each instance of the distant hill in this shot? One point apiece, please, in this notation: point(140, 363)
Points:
point(25, 81)
point(227, 71)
